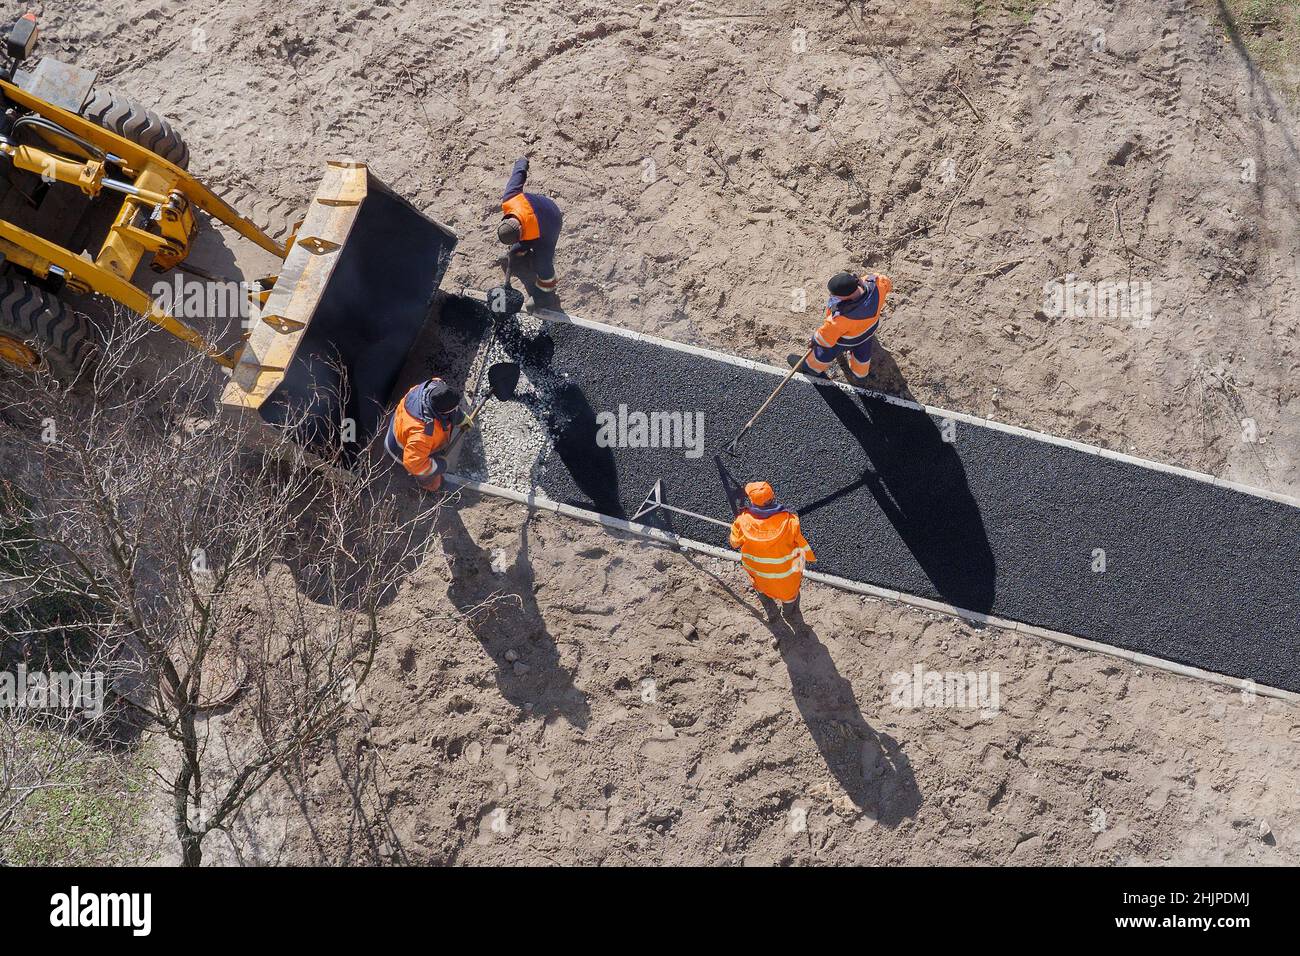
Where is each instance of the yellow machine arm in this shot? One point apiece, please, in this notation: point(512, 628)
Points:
point(137, 158)
point(155, 191)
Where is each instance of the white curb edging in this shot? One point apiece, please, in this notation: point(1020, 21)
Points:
point(534, 500)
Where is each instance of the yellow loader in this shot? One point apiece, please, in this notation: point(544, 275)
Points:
point(93, 186)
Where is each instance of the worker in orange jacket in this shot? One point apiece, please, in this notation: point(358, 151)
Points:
point(421, 424)
point(772, 549)
point(530, 225)
point(849, 330)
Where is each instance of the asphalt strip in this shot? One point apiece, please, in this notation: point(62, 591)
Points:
point(976, 518)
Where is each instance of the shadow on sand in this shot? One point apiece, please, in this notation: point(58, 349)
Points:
point(869, 765)
point(501, 609)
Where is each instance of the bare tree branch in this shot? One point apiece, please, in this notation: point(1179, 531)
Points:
point(217, 565)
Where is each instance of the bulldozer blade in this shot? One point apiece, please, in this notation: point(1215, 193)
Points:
point(355, 290)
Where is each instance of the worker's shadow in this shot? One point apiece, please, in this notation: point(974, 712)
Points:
point(731, 486)
point(868, 764)
point(571, 423)
point(337, 563)
point(885, 375)
point(919, 482)
point(502, 611)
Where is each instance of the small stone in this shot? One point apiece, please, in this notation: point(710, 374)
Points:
point(521, 668)
point(474, 751)
point(1265, 831)
point(511, 656)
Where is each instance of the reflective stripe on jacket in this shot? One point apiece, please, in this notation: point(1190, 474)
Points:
point(852, 322)
point(772, 549)
point(416, 438)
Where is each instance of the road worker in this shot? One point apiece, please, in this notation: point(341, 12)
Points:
point(849, 330)
point(772, 549)
point(531, 227)
point(422, 423)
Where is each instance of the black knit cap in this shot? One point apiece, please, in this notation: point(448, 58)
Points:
point(439, 399)
point(842, 283)
point(509, 230)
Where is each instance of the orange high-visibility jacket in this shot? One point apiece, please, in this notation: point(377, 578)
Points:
point(418, 439)
point(849, 323)
point(772, 549)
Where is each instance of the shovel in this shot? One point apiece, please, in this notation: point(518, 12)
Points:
point(503, 379)
point(504, 299)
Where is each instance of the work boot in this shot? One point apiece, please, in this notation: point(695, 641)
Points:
point(793, 359)
point(544, 302)
point(849, 374)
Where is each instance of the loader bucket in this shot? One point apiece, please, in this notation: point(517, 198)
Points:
point(327, 347)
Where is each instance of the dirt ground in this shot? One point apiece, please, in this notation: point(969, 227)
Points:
point(619, 703)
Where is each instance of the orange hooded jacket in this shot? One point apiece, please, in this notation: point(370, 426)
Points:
point(772, 549)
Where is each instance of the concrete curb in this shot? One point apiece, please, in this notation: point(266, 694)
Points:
point(540, 502)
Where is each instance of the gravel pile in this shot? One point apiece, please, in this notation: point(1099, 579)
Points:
point(512, 439)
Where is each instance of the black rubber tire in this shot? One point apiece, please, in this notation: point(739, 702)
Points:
point(63, 339)
point(142, 126)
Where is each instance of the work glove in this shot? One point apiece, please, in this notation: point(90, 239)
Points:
point(462, 416)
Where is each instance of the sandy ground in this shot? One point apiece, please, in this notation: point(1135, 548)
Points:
point(716, 162)
point(624, 704)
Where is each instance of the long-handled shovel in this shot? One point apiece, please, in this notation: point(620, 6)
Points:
point(731, 447)
point(503, 379)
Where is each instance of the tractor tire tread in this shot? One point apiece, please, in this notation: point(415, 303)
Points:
point(142, 126)
point(64, 339)
point(274, 216)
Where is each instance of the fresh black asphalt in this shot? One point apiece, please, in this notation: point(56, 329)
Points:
point(990, 522)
